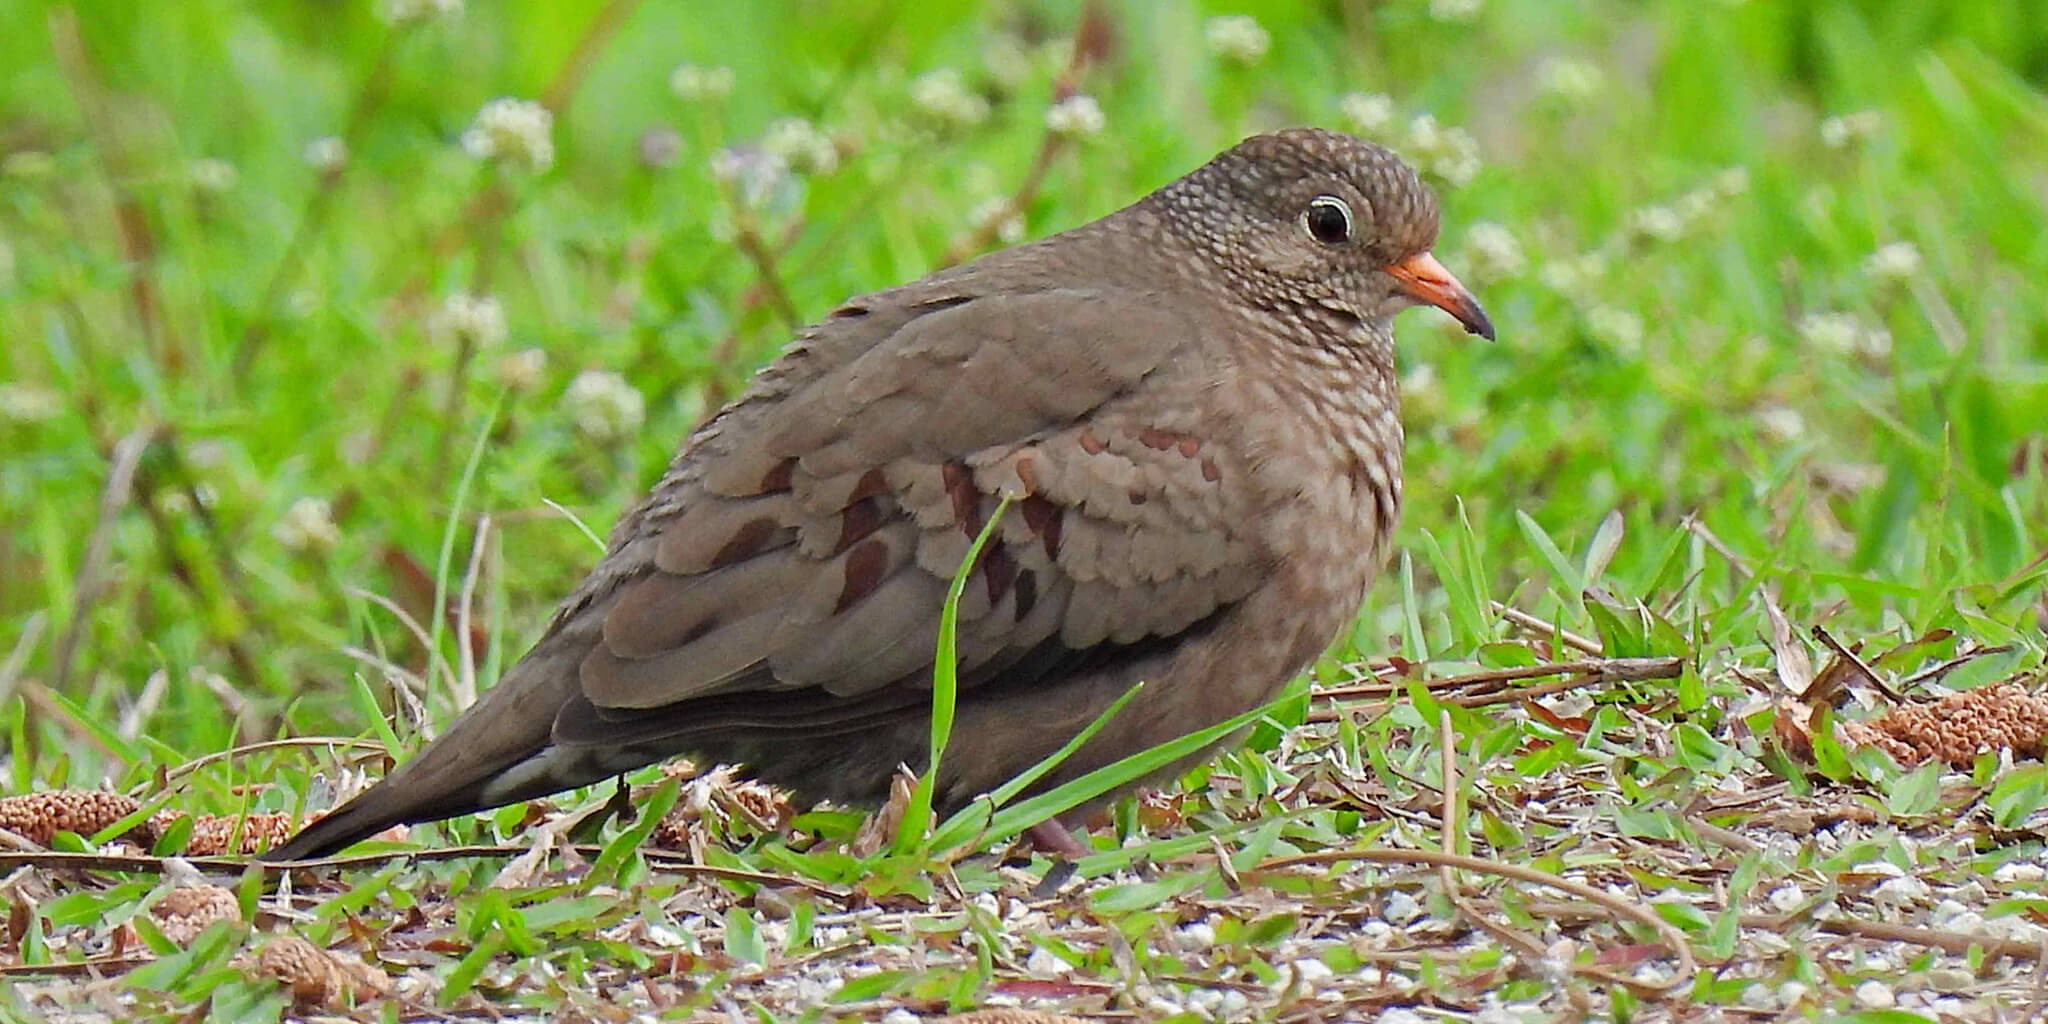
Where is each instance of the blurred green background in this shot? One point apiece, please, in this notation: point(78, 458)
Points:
point(1773, 265)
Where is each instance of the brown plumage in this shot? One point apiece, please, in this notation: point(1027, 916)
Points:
point(1192, 400)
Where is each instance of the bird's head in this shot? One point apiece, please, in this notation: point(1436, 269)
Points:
point(1311, 221)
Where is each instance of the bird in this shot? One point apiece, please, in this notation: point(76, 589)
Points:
point(1190, 408)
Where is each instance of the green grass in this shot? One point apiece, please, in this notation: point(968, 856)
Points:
point(1670, 438)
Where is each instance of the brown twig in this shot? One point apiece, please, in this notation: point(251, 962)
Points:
point(1546, 628)
point(1949, 942)
point(596, 36)
point(217, 756)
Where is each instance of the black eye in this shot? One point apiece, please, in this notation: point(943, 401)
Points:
point(1328, 220)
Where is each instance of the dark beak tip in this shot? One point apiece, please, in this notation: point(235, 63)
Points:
point(1480, 324)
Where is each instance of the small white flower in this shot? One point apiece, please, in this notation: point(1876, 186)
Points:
point(1450, 154)
point(752, 171)
point(1575, 275)
point(211, 177)
point(510, 129)
point(1369, 113)
point(26, 403)
point(475, 320)
point(1845, 130)
point(401, 12)
point(1844, 334)
point(1893, 262)
point(1454, 12)
point(1238, 37)
point(521, 370)
point(308, 527)
point(1076, 116)
point(1492, 254)
point(1729, 183)
point(327, 154)
point(1781, 423)
point(943, 98)
point(1009, 225)
point(604, 408)
point(1619, 329)
point(1007, 59)
point(801, 145)
point(694, 83)
point(1569, 79)
point(1662, 223)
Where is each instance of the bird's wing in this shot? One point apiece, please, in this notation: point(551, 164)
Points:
point(805, 543)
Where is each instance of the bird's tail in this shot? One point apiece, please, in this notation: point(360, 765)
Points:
point(479, 763)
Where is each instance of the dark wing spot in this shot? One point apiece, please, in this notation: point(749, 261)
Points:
point(746, 542)
point(966, 500)
point(1140, 497)
point(1189, 446)
point(861, 518)
point(1027, 594)
point(1210, 472)
point(871, 483)
point(850, 311)
point(999, 567)
point(864, 568)
point(779, 477)
point(1044, 518)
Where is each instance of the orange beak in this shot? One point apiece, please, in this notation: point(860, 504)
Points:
point(1425, 280)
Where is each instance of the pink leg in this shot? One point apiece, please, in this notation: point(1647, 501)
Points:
point(1052, 837)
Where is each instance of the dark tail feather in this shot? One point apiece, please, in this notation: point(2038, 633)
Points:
point(511, 724)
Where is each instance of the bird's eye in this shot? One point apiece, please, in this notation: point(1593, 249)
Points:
point(1328, 219)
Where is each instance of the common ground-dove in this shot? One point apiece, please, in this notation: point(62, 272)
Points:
point(1191, 403)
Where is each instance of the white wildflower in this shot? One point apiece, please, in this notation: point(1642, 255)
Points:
point(1238, 37)
point(1451, 154)
point(943, 98)
point(1076, 116)
point(695, 83)
point(211, 177)
point(1845, 130)
point(1369, 113)
point(1781, 423)
point(1008, 224)
point(510, 129)
point(1492, 254)
point(474, 320)
point(1731, 182)
point(659, 147)
point(752, 171)
point(1454, 12)
point(1575, 275)
point(604, 408)
point(327, 154)
point(1569, 79)
point(1661, 223)
point(801, 145)
point(308, 527)
point(402, 12)
point(1844, 334)
point(521, 370)
point(1618, 329)
point(1893, 262)
point(26, 403)
point(1007, 59)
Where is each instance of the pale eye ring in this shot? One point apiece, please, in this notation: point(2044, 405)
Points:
point(1328, 220)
